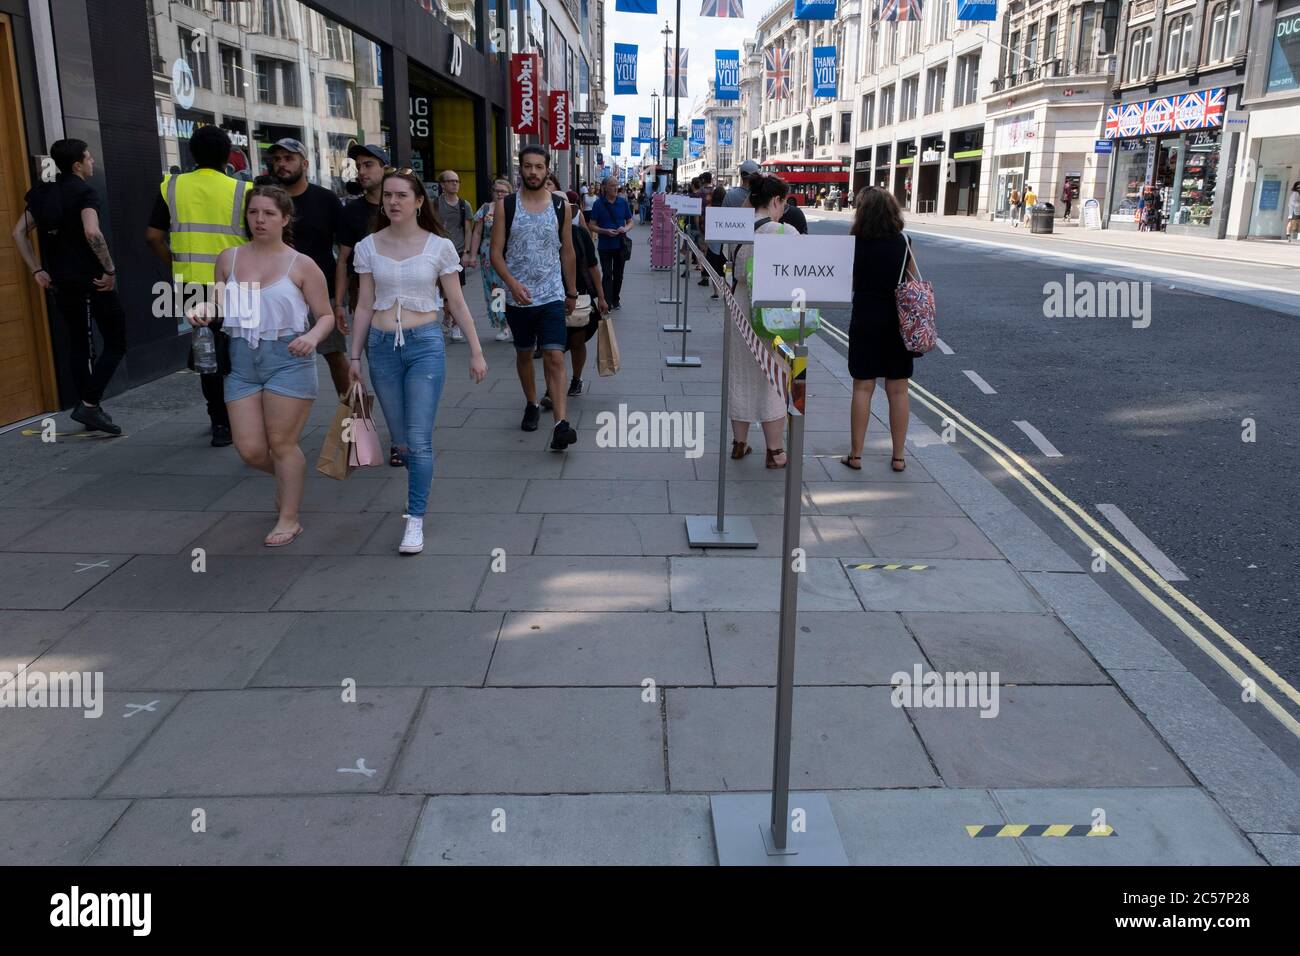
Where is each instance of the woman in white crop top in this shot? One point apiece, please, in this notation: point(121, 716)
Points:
point(407, 268)
point(267, 294)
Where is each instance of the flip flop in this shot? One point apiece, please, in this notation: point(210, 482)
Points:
point(293, 536)
point(848, 460)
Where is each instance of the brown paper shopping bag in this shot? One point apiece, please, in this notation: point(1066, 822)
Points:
point(334, 461)
point(607, 357)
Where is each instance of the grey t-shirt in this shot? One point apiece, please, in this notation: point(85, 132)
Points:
point(456, 220)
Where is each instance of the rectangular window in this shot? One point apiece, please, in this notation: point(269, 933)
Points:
point(907, 109)
point(197, 60)
point(824, 131)
point(339, 92)
point(265, 80)
point(936, 83)
point(785, 141)
point(289, 84)
point(968, 78)
point(333, 40)
point(1049, 44)
point(887, 105)
point(1031, 46)
point(232, 71)
point(846, 127)
point(868, 111)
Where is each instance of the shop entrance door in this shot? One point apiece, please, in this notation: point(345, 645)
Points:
point(26, 372)
point(1272, 190)
point(1010, 180)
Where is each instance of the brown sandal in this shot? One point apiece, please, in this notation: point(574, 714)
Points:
point(739, 449)
point(771, 457)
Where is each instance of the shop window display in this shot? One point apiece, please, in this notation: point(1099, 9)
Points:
point(1195, 196)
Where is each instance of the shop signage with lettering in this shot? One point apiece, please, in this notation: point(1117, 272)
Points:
point(1199, 109)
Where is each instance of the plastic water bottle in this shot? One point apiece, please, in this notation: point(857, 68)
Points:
point(205, 351)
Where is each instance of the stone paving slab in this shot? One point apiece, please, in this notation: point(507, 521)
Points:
point(270, 742)
point(754, 584)
point(588, 830)
point(392, 582)
point(564, 583)
point(843, 738)
point(377, 648)
point(897, 499)
point(853, 647)
point(152, 493)
point(956, 586)
point(585, 740)
point(229, 583)
point(920, 828)
point(60, 752)
point(1165, 826)
point(343, 830)
point(48, 489)
point(821, 536)
point(744, 497)
point(156, 650)
point(320, 494)
point(493, 464)
point(121, 532)
point(1022, 648)
point(629, 534)
point(1048, 737)
point(595, 496)
point(1278, 849)
point(629, 465)
point(26, 635)
point(52, 581)
point(467, 535)
point(15, 523)
point(54, 832)
point(584, 649)
point(323, 533)
point(929, 537)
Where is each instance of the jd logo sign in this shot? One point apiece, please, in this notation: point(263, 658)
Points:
point(817, 269)
point(457, 56)
point(182, 84)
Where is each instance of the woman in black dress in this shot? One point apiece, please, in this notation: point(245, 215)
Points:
point(876, 347)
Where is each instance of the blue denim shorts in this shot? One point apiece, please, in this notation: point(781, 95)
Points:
point(538, 326)
point(270, 367)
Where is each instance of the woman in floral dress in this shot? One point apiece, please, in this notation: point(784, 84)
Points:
point(482, 241)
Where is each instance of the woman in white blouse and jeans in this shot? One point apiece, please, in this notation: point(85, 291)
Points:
point(402, 266)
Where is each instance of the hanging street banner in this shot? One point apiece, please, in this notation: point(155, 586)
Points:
point(616, 149)
point(814, 9)
point(697, 132)
point(636, 6)
point(726, 130)
point(670, 128)
point(525, 92)
point(823, 67)
point(675, 78)
point(616, 124)
point(722, 8)
point(636, 147)
point(900, 10)
point(559, 114)
point(977, 9)
point(727, 69)
point(776, 72)
point(624, 69)
point(645, 128)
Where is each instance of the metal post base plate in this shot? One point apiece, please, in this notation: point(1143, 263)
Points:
point(677, 361)
point(742, 831)
point(669, 302)
point(702, 532)
point(674, 328)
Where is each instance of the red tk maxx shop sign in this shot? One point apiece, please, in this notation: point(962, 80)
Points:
point(559, 119)
point(525, 92)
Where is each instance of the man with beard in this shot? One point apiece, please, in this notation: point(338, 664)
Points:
point(316, 214)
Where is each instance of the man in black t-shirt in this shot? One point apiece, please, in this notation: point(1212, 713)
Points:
point(794, 217)
point(316, 214)
point(358, 221)
point(79, 271)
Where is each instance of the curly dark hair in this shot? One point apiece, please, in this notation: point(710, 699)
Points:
point(878, 214)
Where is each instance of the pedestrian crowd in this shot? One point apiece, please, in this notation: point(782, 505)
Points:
point(381, 279)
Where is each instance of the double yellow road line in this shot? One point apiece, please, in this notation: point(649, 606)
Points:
point(1175, 606)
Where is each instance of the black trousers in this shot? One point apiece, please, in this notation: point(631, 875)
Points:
point(79, 307)
point(611, 274)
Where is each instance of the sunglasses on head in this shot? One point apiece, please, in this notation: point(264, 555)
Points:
point(404, 171)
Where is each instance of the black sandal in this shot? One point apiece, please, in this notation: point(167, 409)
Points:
point(395, 457)
point(848, 460)
point(771, 457)
point(891, 464)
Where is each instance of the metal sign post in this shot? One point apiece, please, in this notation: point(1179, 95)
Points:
point(710, 531)
point(683, 360)
point(679, 323)
point(673, 298)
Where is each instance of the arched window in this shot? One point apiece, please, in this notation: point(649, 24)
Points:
point(1234, 28)
point(1218, 20)
point(1178, 46)
point(1139, 55)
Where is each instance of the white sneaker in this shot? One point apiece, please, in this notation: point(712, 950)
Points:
point(413, 537)
point(503, 336)
point(457, 335)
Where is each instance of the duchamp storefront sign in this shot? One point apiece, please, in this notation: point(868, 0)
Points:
point(803, 270)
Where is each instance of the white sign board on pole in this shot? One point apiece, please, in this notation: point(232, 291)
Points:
point(820, 266)
point(729, 223)
point(1235, 121)
point(683, 205)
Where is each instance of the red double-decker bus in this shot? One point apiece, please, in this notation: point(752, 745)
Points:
point(808, 177)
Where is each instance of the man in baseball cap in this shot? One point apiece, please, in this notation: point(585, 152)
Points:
point(369, 149)
point(289, 145)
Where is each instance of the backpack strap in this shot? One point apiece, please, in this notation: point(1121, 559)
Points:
point(509, 206)
point(560, 206)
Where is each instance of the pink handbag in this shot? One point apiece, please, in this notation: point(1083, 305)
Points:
point(363, 450)
point(915, 299)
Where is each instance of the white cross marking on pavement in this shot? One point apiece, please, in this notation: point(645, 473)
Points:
point(359, 768)
point(152, 707)
point(1144, 546)
point(84, 566)
point(982, 385)
point(1039, 439)
point(944, 347)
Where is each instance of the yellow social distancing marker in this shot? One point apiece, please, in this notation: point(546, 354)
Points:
point(1039, 830)
point(892, 567)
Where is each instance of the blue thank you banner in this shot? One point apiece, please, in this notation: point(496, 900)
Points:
point(624, 68)
point(727, 69)
point(823, 66)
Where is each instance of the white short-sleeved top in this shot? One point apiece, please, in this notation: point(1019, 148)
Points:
point(413, 282)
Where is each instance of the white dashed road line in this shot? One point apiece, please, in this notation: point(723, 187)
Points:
point(1039, 439)
point(943, 346)
point(1158, 560)
point(982, 385)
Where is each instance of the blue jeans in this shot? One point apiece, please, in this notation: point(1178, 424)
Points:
point(408, 383)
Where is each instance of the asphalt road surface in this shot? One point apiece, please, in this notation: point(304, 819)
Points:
point(1149, 420)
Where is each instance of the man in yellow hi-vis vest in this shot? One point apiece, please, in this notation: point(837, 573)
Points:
point(195, 216)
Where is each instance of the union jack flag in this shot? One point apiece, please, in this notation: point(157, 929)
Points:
point(776, 72)
point(722, 8)
point(675, 77)
point(900, 10)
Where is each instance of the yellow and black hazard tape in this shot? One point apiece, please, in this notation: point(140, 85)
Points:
point(1040, 829)
point(892, 567)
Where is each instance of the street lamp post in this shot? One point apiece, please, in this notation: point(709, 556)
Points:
point(654, 99)
point(677, 85)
